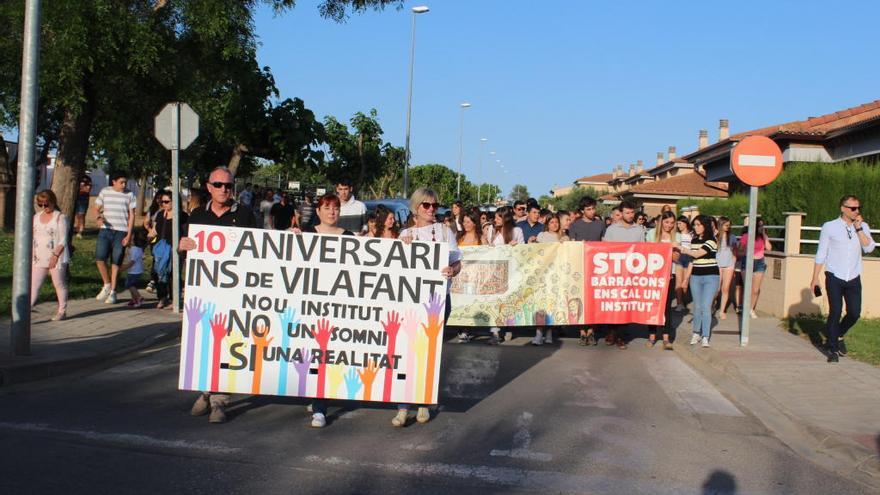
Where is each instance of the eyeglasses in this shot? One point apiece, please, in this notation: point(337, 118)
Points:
point(225, 185)
point(426, 205)
point(852, 208)
point(165, 201)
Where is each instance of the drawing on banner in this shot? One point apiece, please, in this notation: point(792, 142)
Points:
point(307, 315)
point(565, 283)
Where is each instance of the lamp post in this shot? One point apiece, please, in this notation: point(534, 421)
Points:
point(462, 106)
point(480, 173)
point(412, 55)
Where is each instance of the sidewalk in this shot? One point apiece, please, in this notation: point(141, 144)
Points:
point(826, 412)
point(94, 332)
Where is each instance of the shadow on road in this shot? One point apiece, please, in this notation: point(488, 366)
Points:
point(719, 483)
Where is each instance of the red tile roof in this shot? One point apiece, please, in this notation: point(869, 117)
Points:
point(687, 185)
point(596, 178)
point(819, 125)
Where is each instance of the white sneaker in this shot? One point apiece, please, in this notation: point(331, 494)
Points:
point(309, 409)
point(494, 339)
point(464, 337)
point(753, 314)
point(400, 418)
point(318, 420)
point(539, 338)
point(104, 293)
point(548, 339)
point(705, 342)
point(111, 297)
point(423, 415)
point(695, 337)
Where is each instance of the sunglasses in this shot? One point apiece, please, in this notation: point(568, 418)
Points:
point(852, 208)
point(225, 185)
point(165, 201)
point(520, 208)
point(42, 205)
point(429, 206)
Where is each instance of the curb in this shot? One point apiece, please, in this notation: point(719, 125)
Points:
point(823, 447)
point(29, 372)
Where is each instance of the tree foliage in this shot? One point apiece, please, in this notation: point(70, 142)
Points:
point(519, 192)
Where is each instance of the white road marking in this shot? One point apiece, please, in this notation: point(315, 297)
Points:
point(123, 438)
point(757, 161)
point(690, 392)
point(522, 479)
point(522, 440)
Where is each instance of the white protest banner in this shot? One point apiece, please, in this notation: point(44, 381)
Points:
point(337, 317)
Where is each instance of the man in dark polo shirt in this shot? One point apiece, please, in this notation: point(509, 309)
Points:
point(222, 210)
point(531, 227)
point(589, 228)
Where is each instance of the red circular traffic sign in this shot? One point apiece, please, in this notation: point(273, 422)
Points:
point(756, 160)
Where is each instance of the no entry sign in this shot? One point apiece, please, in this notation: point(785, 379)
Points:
point(756, 160)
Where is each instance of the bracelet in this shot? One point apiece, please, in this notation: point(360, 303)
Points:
point(859, 229)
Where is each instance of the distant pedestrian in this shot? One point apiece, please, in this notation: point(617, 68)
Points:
point(266, 205)
point(50, 252)
point(246, 197)
point(682, 267)
point(82, 205)
point(307, 210)
point(162, 253)
point(842, 242)
point(282, 213)
point(116, 212)
point(727, 245)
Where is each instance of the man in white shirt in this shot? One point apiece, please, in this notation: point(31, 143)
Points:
point(841, 244)
point(352, 213)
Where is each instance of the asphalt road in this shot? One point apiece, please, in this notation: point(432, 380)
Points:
point(515, 419)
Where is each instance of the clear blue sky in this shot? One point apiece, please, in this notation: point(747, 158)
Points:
point(564, 89)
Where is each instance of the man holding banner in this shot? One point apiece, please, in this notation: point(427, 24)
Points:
point(220, 210)
point(625, 230)
point(588, 228)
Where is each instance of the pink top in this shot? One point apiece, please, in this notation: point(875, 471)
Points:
point(759, 245)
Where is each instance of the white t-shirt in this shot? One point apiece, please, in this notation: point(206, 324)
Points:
point(266, 211)
point(548, 237)
point(136, 256)
point(117, 207)
point(498, 240)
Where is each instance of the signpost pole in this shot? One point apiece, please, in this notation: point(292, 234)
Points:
point(750, 259)
point(175, 202)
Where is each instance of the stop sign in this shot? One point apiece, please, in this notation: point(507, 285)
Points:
point(756, 160)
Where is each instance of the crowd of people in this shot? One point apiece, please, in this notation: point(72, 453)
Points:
point(709, 260)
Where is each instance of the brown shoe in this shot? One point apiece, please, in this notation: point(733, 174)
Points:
point(218, 415)
point(667, 346)
point(201, 406)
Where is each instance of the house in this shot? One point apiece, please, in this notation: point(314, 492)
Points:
point(834, 137)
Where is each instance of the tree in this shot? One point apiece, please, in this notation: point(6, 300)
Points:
point(108, 65)
point(519, 192)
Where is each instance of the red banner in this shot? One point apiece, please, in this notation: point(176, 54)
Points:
point(626, 282)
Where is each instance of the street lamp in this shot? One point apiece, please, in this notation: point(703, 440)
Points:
point(462, 106)
point(412, 55)
point(480, 174)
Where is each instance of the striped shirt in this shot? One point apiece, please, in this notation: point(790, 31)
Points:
point(707, 264)
point(116, 208)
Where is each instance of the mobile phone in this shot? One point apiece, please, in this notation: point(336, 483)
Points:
point(817, 291)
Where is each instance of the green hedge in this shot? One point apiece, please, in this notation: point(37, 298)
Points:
point(811, 188)
point(807, 187)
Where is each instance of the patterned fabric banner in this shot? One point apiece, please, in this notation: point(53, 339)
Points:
point(566, 283)
point(338, 317)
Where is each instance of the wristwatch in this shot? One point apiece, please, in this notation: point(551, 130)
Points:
point(859, 229)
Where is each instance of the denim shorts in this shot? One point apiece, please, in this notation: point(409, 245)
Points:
point(82, 205)
point(110, 245)
point(758, 265)
point(684, 260)
point(132, 279)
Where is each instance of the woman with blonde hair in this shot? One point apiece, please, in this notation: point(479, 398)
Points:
point(423, 205)
point(50, 253)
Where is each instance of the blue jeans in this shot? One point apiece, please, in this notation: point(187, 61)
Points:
point(703, 289)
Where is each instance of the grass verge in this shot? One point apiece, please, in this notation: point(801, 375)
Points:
point(862, 340)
